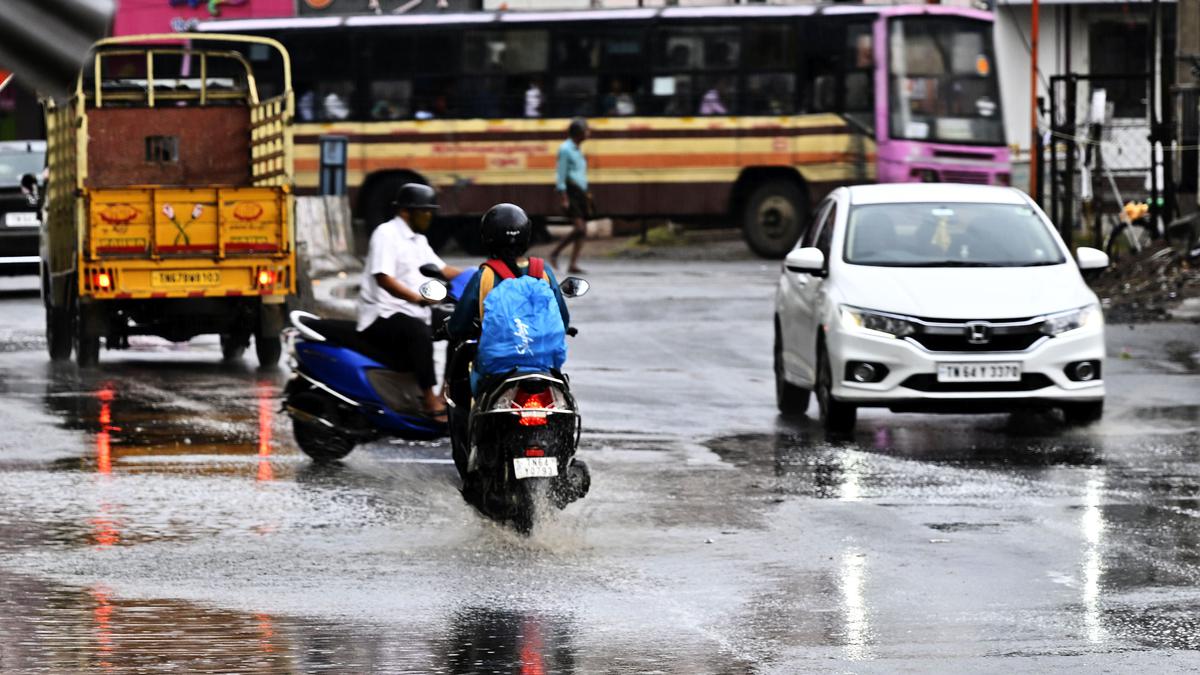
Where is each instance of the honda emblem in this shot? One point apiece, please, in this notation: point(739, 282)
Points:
point(979, 333)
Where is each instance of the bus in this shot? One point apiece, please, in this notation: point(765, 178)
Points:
point(745, 114)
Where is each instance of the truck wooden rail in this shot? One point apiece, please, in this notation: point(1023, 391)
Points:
point(169, 207)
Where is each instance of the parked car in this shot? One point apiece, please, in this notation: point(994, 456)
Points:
point(936, 298)
point(21, 167)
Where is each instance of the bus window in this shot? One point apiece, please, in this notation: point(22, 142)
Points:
point(697, 48)
point(859, 62)
point(578, 55)
point(690, 58)
point(770, 47)
point(770, 94)
point(521, 51)
point(327, 90)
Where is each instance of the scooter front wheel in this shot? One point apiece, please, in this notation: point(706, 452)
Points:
point(319, 442)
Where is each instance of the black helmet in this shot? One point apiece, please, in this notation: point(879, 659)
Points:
point(416, 196)
point(505, 231)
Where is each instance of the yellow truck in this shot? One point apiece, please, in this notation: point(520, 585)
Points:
point(169, 207)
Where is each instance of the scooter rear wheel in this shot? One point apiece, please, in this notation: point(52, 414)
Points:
point(320, 443)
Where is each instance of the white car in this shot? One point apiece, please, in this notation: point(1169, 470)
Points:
point(936, 298)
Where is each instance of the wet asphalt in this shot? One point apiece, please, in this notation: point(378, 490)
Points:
point(156, 515)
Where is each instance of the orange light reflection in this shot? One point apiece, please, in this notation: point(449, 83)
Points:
point(266, 412)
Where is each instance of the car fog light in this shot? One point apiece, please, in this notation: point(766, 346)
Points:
point(863, 372)
point(1084, 371)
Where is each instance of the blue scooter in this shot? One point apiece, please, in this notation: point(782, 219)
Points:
point(341, 393)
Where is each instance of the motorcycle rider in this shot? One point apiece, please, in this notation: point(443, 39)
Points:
point(391, 312)
point(505, 232)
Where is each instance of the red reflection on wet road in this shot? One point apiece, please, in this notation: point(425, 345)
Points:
point(104, 437)
point(266, 411)
point(102, 619)
point(531, 649)
point(266, 631)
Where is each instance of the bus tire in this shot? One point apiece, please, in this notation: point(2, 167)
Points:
point(774, 216)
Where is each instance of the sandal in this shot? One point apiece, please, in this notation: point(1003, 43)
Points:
point(441, 415)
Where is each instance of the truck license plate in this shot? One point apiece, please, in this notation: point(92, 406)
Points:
point(979, 372)
point(185, 278)
point(21, 219)
point(535, 467)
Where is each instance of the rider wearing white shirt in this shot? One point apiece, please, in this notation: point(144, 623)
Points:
point(391, 312)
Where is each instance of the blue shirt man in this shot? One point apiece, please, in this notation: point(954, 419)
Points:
point(572, 166)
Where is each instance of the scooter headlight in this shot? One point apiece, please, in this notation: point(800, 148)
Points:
point(1057, 324)
point(891, 325)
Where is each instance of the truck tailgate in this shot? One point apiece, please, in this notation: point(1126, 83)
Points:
point(182, 222)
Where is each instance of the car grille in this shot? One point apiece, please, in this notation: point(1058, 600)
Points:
point(929, 383)
point(972, 177)
point(959, 343)
point(995, 335)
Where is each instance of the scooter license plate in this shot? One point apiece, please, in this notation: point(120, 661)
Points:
point(535, 467)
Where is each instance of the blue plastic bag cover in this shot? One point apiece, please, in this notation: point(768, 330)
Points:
point(522, 328)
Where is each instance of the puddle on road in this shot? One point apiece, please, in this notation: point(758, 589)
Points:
point(54, 629)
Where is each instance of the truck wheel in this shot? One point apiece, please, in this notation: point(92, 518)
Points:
point(87, 337)
point(58, 333)
point(774, 217)
point(267, 344)
point(233, 346)
point(268, 349)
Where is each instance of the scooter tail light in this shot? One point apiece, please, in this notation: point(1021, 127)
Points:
point(535, 452)
point(534, 407)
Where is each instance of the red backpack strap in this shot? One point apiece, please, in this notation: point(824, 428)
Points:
point(537, 268)
point(500, 268)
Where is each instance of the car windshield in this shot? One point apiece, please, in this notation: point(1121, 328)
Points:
point(949, 235)
point(14, 164)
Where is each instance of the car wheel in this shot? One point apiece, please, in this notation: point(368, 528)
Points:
point(1083, 413)
point(791, 400)
point(837, 417)
point(774, 218)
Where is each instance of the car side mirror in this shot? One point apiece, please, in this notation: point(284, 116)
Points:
point(1091, 258)
point(434, 291)
point(806, 261)
point(573, 287)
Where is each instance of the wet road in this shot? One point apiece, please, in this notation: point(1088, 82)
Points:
point(155, 514)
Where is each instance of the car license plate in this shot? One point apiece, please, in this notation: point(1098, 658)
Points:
point(21, 219)
point(535, 467)
point(185, 278)
point(979, 372)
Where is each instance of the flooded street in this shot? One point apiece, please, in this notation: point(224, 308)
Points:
point(156, 514)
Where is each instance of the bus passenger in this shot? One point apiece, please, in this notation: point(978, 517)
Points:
point(571, 183)
point(533, 99)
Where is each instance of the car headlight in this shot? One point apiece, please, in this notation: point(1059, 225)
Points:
point(854, 318)
point(1057, 324)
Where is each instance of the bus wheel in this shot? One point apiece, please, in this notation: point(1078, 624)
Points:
point(87, 336)
point(773, 218)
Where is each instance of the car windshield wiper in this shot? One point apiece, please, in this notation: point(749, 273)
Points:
point(1042, 263)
